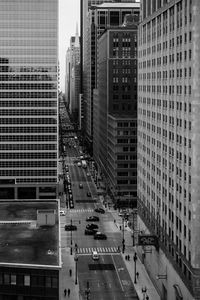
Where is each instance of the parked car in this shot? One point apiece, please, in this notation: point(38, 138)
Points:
point(100, 236)
point(88, 194)
point(71, 204)
point(70, 227)
point(62, 213)
point(80, 185)
point(92, 219)
point(79, 164)
point(90, 231)
point(99, 210)
point(92, 226)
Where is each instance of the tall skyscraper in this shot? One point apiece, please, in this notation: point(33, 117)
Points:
point(168, 143)
point(91, 27)
point(74, 75)
point(28, 99)
point(115, 112)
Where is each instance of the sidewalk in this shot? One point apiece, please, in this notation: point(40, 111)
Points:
point(143, 281)
point(67, 281)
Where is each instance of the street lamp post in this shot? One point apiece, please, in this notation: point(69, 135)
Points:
point(135, 259)
point(71, 239)
point(123, 240)
point(76, 262)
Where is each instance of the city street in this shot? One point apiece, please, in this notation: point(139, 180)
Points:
point(106, 278)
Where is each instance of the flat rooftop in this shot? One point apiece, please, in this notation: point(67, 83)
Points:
point(22, 240)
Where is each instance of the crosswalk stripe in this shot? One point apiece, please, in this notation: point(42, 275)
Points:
point(98, 249)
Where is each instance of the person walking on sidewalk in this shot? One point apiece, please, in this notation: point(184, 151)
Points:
point(65, 292)
point(68, 292)
point(70, 272)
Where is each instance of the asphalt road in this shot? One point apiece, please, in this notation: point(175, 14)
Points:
point(108, 277)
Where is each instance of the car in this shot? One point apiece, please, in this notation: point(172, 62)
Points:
point(81, 157)
point(70, 196)
point(62, 213)
point(100, 236)
point(95, 255)
point(70, 227)
point(80, 185)
point(92, 219)
point(124, 214)
point(99, 210)
point(88, 174)
point(88, 194)
point(71, 205)
point(92, 226)
point(79, 164)
point(90, 231)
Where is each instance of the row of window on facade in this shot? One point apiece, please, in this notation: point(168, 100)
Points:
point(176, 15)
point(28, 280)
point(178, 73)
point(162, 61)
point(124, 79)
point(169, 90)
point(185, 106)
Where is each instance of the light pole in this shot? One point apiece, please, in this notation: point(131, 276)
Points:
point(76, 262)
point(144, 290)
point(123, 240)
point(71, 239)
point(135, 259)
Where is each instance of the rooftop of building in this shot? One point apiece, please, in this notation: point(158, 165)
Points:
point(119, 5)
point(22, 239)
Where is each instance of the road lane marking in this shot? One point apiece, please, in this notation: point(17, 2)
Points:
point(118, 274)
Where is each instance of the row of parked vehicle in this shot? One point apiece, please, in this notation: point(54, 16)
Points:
point(69, 190)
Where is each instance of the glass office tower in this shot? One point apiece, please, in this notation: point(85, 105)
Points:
point(28, 99)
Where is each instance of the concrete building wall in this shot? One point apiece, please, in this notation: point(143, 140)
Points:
point(168, 136)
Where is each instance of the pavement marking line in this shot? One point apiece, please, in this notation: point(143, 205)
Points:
point(117, 273)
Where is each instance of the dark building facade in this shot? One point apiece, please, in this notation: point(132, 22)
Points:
point(116, 122)
point(96, 17)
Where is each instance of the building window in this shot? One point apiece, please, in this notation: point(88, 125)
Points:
point(6, 279)
point(13, 279)
point(27, 280)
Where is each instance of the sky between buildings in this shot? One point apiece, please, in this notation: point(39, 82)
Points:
point(69, 15)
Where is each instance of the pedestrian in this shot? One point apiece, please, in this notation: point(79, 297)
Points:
point(128, 257)
point(70, 272)
point(137, 275)
point(65, 292)
point(68, 292)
